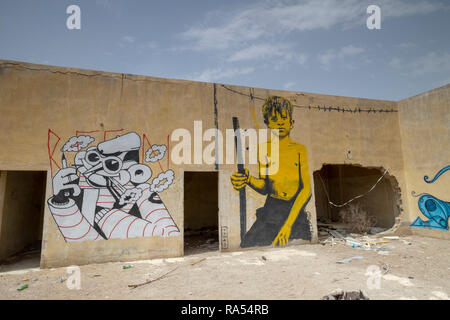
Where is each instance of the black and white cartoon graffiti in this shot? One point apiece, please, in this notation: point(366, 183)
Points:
point(105, 193)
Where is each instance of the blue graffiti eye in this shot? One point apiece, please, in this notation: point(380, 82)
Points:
point(430, 205)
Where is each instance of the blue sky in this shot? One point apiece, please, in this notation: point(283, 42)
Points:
point(320, 46)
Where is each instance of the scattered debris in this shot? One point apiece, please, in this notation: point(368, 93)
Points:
point(62, 279)
point(355, 235)
point(263, 258)
point(406, 242)
point(391, 237)
point(23, 287)
point(27, 279)
point(328, 240)
point(198, 261)
point(201, 240)
point(96, 275)
point(352, 242)
point(336, 234)
point(133, 286)
point(357, 218)
point(345, 261)
point(375, 230)
point(340, 294)
point(127, 267)
point(386, 268)
point(384, 251)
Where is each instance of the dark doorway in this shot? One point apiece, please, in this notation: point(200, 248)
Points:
point(372, 213)
point(21, 218)
point(201, 212)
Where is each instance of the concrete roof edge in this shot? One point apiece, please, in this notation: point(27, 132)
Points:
point(90, 72)
point(425, 92)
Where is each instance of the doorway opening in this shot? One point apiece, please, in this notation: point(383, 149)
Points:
point(22, 204)
point(201, 212)
point(373, 212)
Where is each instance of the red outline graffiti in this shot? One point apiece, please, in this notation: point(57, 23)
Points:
point(50, 154)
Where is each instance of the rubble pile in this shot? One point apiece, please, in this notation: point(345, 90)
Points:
point(335, 234)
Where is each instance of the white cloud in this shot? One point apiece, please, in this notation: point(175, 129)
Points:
point(396, 63)
point(269, 18)
point(432, 62)
point(129, 39)
point(302, 58)
point(266, 51)
point(406, 45)
point(212, 75)
point(104, 3)
point(289, 85)
point(327, 58)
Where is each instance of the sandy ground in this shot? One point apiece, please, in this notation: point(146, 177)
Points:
point(419, 270)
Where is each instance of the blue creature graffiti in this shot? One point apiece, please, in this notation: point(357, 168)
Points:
point(436, 210)
point(447, 168)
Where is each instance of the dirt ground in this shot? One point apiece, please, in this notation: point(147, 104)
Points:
point(419, 270)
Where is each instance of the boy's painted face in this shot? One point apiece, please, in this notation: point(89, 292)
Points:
point(281, 121)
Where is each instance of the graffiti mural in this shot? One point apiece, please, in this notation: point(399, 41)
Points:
point(105, 193)
point(437, 211)
point(283, 216)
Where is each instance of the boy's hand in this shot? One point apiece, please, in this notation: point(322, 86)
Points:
point(239, 180)
point(283, 236)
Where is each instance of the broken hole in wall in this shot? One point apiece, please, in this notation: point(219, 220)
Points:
point(201, 212)
point(372, 213)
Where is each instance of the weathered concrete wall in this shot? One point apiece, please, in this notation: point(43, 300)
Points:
point(71, 102)
point(425, 131)
point(331, 137)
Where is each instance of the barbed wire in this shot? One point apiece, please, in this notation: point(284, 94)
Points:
point(320, 108)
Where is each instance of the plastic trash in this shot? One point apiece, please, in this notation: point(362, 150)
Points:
point(345, 261)
point(391, 237)
point(23, 287)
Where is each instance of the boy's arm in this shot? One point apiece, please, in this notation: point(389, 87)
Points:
point(240, 180)
point(283, 235)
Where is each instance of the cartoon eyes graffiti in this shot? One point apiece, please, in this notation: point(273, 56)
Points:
point(110, 164)
point(92, 158)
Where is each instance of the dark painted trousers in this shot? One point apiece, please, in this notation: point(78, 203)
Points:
point(270, 219)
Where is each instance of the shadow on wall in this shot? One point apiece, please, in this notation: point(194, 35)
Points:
point(341, 183)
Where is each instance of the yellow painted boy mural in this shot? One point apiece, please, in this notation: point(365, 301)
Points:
point(283, 216)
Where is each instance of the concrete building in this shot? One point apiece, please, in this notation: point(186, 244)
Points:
point(102, 166)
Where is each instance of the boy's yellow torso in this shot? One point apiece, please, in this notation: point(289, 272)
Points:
point(284, 184)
